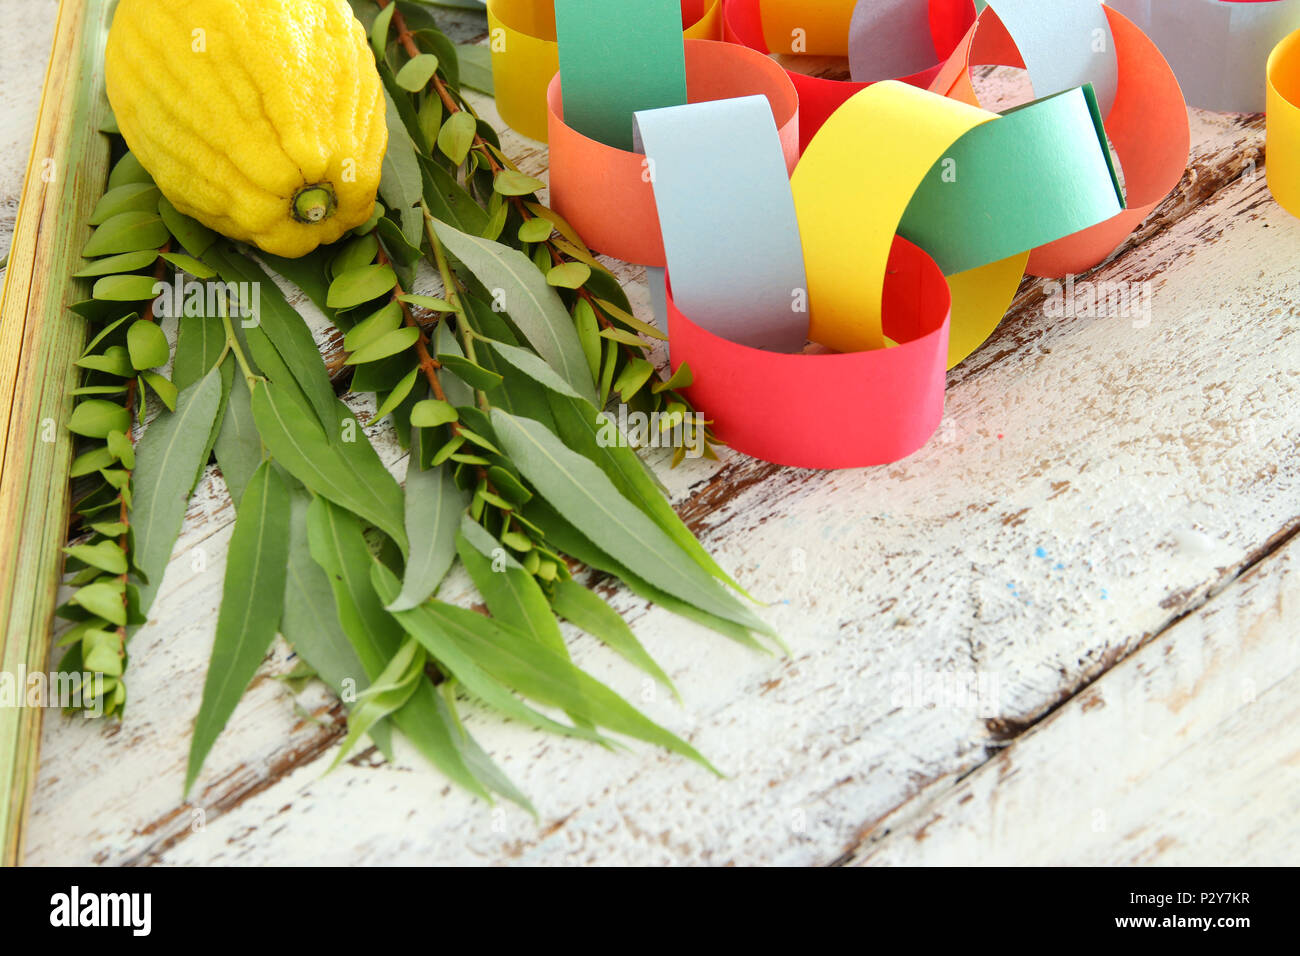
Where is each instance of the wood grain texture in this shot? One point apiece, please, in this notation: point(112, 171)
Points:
point(1186, 750)
point(1097, 480)
point(39, 340)
point(24, 50)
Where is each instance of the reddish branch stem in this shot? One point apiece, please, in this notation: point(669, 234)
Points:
point(428, 364)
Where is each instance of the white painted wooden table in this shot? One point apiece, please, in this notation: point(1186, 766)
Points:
point(1064, 632)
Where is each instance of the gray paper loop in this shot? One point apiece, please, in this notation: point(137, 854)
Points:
point(730, 231)
point(1218, 50)
point(889, 39)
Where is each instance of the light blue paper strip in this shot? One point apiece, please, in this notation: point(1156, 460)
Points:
point(734, 254)
point(1064, 43)
point(889, 39)
point(1217, 50)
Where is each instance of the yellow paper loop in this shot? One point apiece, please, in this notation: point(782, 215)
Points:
point(890, 135)
point(1283, 146)
point(521, 34)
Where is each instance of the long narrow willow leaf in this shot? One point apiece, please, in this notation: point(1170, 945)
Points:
point(474, 756)
point(578, 489)
point(338, 547)
point(445, 343)
point(348, 477)
point(238, 446)
point(540, 674)
point(434, 506)
point(576, 422)
point(529, 364)
point(512, 594)
point(199, 345)
point(584, 609)
point(537, 309)
point(389, 693)
point(282, 324)
point(168, 460)
point(401, 184)
point(252, 600)
point(421, 624)
point(449, 201)
point(227, 372)
point(561, 534)
point(517, 394)
point(310, 623)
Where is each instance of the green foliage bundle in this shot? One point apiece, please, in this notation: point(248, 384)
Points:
point(494, 385)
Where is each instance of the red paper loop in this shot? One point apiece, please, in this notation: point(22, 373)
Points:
point(849, 410)
point(606, 194)
point(742, 23)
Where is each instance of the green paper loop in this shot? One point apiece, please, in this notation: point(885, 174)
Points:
point(1041, 172)
point(613, 65)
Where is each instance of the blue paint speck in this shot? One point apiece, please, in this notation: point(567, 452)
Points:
point(1040, 553)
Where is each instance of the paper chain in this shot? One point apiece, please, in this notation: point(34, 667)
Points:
point(889, 220)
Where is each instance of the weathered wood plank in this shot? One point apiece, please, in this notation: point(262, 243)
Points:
point(1185, 754)
point(39, 340)
point(1144, 462)
point(813, 761)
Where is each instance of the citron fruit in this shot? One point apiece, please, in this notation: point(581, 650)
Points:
point(262, 119)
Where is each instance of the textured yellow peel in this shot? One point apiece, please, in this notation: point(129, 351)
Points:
point(262, 119)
